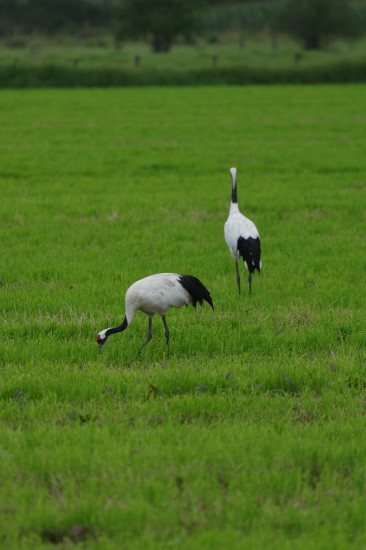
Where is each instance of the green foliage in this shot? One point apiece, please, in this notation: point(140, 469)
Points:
point(160, 22)
point(249, 17)
point(52, 16)
point(28, 76)
point(315, 22)
point(251, 430)
point(97, 62)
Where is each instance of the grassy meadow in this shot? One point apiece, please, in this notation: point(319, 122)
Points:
point(231, 50)
point(250, 431)
point(234, 59)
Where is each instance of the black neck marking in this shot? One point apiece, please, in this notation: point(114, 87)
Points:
point(234, 195)
point(120, 328)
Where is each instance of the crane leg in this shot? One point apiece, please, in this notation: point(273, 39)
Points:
point(148, 337)
point(250, 283)
point(237, 275)
point(167, 331)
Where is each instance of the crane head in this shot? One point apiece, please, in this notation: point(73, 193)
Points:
point(233, 172)
point(101, 337)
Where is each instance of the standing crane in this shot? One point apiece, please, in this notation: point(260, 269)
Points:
point(155, 295)
point(242, 237)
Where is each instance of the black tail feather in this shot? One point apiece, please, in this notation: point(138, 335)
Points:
point(250, 251)
point(195, 289)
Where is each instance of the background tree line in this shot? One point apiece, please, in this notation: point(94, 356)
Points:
point(314, 23)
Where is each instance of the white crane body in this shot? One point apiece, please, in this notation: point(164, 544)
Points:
point(242, 237)
point(156, 294)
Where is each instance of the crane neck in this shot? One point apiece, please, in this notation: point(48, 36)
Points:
point(234, 208)
point(119, 328)
point(234, 193)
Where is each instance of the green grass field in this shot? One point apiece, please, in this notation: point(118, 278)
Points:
point(231, 51)
point(250, 432)
point(65, 62)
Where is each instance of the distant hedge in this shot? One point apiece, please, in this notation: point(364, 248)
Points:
point(23, 76)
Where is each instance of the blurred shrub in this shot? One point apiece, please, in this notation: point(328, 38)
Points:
point(159, 22)
point(15, 42)
point(25, 76)
point(249, 16)
point(315, 23)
